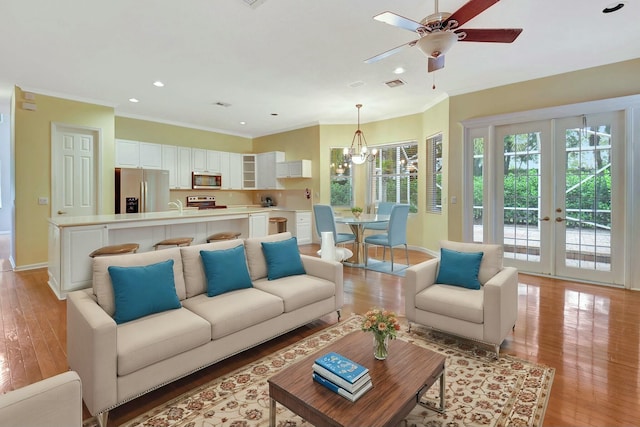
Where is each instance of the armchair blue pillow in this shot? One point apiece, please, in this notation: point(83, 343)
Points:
point(459, 268)
point(283, 258)
point(226, 270)
point(142, 290)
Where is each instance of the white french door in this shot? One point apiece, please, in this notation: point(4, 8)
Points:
point(557, 207)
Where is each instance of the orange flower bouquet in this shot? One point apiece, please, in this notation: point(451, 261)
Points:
point(384, 325)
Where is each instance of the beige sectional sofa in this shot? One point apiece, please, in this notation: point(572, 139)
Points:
point(119, 362)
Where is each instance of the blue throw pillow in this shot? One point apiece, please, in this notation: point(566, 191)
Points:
point(283, 258)
point(226, 270)
point(143, 290)
point(459, 268)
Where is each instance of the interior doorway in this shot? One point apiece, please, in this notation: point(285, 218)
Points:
point(6, 187)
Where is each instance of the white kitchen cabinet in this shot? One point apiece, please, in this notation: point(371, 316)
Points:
point(205, 160)
point(127, 153)
point(303, 228)
point(170, 163)
point(150, 155)
point(258, 224)
point(231, 171)
point(266, 170)
point(294, 169)
point(136, 154)
point(184, 168)
point(249, 171)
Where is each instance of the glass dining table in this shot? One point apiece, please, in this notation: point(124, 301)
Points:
point(357, 228)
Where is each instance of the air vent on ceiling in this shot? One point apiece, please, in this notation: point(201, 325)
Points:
point(222, 104)
point(395, 83)
point(356, 84)
point(253, 3)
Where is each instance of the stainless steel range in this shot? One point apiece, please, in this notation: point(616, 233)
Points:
point(203, 202)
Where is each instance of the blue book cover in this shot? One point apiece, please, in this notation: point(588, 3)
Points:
point(342, 392)
point(341, 366)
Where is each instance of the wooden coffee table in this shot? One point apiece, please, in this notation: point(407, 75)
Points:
point(398, 384)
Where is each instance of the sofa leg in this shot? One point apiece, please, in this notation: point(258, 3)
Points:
point(497, 349)
point(339, 314)
point(409, 330)
point(102, 418)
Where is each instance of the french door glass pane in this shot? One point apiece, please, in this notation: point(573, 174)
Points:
point(478, 189)
point(522, 179)
point(588, 197)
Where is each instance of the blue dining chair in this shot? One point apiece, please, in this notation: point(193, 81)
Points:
point(384, 208)
point(326, 221)
point(396, 234)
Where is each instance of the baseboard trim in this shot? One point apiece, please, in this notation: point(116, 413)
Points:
point(31, 266)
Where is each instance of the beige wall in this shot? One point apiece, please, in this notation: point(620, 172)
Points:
point(609, 81)
point(32, 133)
point(161, 133)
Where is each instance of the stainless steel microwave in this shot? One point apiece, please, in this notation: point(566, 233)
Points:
point(205, 180)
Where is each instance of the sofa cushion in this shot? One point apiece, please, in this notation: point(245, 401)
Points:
point(159, 336)
point(459, 268)
point(235, 310)
point(255, 257)
point(453, 301)
point(195, 279)
point(283, 258)
point(143, 290)
point(491, 260)
point(226, 270)
point(297, 291)
point(103, 288)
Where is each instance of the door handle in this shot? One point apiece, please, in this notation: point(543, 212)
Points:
point(558, 219)
point(61, 212)
point(546, 218)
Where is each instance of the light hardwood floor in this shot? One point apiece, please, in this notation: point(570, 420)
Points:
point(589, 334)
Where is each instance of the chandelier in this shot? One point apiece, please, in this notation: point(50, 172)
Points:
point(359, 153)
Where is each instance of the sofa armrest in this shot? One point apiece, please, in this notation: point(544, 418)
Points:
point(54, 401)
point(328, 270)
point(91, 350)
point(500, 305)
point(417, 278)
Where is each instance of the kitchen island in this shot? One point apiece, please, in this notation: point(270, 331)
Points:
point(72, 239)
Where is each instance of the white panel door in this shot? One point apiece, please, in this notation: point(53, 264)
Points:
point(73, 172)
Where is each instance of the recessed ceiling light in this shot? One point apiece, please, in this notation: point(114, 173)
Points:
point(243, 123)
point(274, 114)
point(399, 70)
point(158, 83)
point(613, 7)
point(134, 100)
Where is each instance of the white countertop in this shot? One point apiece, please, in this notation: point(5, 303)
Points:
point(72, 221)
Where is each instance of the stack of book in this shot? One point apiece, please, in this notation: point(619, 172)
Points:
point(341, 375)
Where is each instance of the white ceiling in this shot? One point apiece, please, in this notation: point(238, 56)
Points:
point(299, 59)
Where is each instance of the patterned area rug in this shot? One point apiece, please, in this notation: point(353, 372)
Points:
point(480, 391)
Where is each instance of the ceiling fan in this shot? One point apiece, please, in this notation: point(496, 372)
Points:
point(441, 30)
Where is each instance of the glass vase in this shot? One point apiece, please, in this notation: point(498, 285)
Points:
point(380, 346)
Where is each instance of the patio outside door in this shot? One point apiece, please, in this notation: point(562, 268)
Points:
point(558, 196)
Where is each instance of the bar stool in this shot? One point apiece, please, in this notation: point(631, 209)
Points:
point(281, 223)
point(125, 248)
point(176, 241)
point(225, 235)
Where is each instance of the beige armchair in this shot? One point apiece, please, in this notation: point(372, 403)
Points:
point(486, 314)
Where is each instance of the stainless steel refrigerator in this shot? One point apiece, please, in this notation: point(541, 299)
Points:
point(141, 190)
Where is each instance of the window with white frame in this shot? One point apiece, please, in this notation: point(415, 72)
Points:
point(341, 179)
point(394, 175)
point(434, 174)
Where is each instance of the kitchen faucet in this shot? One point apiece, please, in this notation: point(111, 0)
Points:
point(177, 204)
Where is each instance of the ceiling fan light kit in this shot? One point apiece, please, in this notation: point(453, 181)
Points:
point(439, 31)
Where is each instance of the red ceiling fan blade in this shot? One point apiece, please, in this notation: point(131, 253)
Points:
point(398, 21)
point(470, 10)
point(390, 52)
point(497, 35)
